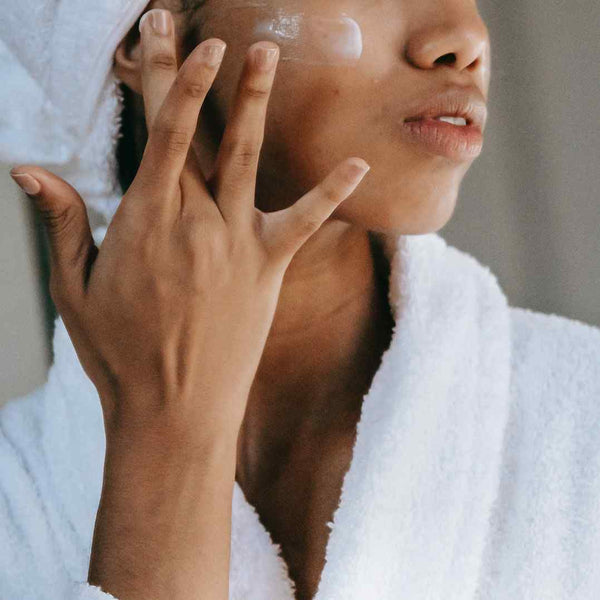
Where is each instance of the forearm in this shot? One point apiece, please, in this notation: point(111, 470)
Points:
point(163, 526)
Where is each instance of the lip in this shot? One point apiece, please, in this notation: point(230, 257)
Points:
point(458, 142)
point(453, 141)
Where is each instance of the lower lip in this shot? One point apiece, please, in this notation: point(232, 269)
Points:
point(458, 142)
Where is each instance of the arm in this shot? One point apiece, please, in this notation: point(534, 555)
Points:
point(163, 526)
point(170, 316)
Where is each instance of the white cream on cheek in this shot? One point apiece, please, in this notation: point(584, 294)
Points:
point(308, 38)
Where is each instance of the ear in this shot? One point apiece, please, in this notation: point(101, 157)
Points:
point(127, 60)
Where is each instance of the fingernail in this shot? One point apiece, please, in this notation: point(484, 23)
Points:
point(212, 54)
point(26, 182)
point(264, 58)
point(159, 20)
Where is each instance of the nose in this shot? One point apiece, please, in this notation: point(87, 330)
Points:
point(455, 37)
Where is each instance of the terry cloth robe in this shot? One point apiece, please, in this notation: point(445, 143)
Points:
point(475, 473)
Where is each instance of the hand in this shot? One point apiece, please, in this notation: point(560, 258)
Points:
point(170, 317)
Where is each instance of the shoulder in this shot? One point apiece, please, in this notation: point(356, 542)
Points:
point(555, 379)
point(561, 354)
point(546, 523)
point(553, 434)
point(561, 333)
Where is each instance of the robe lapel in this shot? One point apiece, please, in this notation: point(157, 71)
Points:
point(416, 500)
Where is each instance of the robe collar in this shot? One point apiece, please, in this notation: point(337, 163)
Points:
point(417, 497)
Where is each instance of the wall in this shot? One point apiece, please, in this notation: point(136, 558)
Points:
point(24, 350)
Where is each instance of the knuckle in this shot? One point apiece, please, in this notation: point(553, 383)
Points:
point(243, 152)
point(192, 87)
point(162, 61)
point(56, 219)
point(245, 158)
point(308, 224)
point(171, 138)
point(252, 90)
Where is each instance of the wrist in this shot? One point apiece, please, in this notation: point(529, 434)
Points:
point(183, 424)
point(172, 441)
point(165, 506)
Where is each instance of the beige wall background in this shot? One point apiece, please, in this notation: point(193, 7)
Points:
point(529, 206)
point(24, 343)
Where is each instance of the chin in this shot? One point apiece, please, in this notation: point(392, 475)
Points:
point(401, 205)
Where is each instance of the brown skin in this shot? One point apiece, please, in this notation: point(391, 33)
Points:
point(303, 404)
point(169, 319)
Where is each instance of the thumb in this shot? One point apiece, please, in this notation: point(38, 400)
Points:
point(72, 247)
point(291, 227)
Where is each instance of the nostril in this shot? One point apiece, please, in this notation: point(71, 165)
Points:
point(474, 65)
point(449, 58)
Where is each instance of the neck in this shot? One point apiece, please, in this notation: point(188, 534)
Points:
point(331, 326)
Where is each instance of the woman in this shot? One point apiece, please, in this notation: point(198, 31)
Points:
point(257, 348)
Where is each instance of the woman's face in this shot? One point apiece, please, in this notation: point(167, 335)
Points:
point(350, 73)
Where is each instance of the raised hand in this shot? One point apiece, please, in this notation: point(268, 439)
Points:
point(170, 317)
point(173, 312)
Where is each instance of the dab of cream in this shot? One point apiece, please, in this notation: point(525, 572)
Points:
point(310, 39)
point(313, 39)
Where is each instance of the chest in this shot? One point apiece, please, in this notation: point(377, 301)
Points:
point(296, 508)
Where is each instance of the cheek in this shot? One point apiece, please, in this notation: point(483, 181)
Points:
point(313, 127)
point(306, 32)
point(312, 120)
point(315, 39)
point(323, 110)
point(319, 117)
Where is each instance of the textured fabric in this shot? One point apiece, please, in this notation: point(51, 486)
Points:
point(475, 473)
point(60, 99)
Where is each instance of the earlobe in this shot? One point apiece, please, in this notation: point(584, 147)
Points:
point(127, 63)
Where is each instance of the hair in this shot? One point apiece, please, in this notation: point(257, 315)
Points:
point(133, 134)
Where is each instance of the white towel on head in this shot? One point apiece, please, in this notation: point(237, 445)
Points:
point(475, 474)
point(60, 100)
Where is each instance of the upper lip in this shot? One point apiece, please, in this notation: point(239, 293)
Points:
point(453, 102)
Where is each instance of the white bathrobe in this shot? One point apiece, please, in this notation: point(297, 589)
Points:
point(475, 473)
